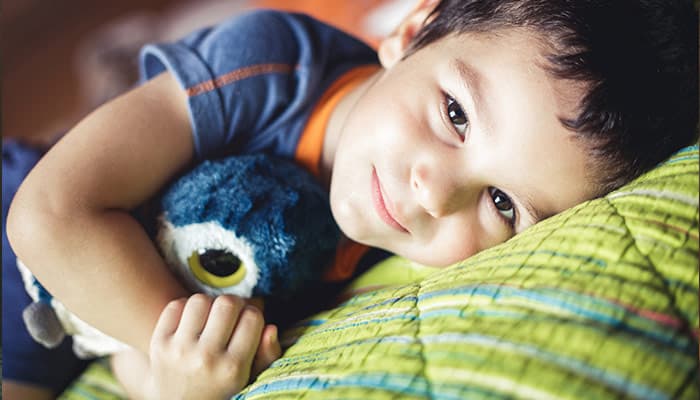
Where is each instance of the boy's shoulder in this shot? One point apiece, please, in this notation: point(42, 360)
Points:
point(267, 38)
point(255, 75)
point(269, 30)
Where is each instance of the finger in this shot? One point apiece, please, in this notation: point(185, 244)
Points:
point(194, 316)
point(169, 320)
point(222, 319)
point(269, 350)
point(246, 335)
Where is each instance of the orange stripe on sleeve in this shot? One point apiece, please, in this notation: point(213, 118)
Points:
point(237, 75)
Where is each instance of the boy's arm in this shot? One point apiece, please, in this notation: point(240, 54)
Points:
point(70, 223)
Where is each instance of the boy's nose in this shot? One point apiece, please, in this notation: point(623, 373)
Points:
point(436, 191)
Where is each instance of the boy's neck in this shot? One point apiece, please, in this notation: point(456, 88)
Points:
point(335, 125)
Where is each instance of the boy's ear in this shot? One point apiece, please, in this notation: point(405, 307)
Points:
point(392, 48)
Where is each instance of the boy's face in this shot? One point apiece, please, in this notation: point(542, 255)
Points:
point(457, 148)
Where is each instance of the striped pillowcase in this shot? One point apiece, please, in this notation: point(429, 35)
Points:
point(598, 302)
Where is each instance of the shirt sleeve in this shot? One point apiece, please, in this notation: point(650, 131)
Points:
point(239, 76)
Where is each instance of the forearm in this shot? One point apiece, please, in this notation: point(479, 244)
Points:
point(69, 221)
point(102, 267)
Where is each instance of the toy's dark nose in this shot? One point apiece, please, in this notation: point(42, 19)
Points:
point(219, 262)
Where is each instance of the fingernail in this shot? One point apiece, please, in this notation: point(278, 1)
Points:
point(252, 309)
point(273, 338)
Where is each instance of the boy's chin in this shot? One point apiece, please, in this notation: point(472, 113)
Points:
point(352, 230)
point(346, 217)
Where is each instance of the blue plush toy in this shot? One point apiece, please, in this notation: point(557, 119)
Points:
point(244, 225)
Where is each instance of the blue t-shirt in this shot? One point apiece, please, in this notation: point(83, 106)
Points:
point(253, 80)
point(252, 83)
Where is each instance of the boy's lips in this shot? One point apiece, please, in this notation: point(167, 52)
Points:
point(383, 206)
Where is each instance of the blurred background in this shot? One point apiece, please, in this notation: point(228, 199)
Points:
point(63, 58)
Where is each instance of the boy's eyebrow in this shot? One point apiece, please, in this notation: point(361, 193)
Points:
point(473, 82)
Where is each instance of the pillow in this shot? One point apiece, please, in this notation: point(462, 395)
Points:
point(600, 301)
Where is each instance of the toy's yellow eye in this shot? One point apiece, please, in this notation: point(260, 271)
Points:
point(217, 268)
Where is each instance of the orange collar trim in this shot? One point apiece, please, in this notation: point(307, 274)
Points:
point(308, 152)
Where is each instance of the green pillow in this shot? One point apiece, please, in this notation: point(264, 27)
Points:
point(598, 302)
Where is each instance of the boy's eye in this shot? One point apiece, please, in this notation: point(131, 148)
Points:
point(457, 117)
point(503, 205)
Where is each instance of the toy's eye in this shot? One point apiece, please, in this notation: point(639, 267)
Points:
point(217, 268)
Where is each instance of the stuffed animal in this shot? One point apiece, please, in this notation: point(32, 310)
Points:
point(244, 225)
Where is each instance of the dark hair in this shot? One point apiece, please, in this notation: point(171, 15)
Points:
point(637, 58)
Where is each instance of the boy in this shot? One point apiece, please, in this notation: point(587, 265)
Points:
point(483, 118)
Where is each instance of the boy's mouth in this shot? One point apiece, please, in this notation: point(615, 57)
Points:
point(381, 206)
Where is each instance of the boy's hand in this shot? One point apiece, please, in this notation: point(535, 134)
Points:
point(205, 348)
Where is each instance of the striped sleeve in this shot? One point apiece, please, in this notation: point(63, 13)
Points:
point(234, 89)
